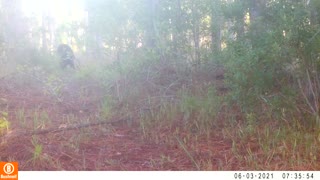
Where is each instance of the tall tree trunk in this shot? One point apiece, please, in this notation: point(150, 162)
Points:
point(14, 28)
point(150, 31)
point(314, 6)
point(255, 10)
point(94, 40)
point(44, 32)
point(196, 32)
point(51, 32)
point(216, 21)
point(240, 21)
point(177, 33)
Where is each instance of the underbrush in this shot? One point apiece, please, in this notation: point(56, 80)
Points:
point(182, 106)
point(193, 110)
point(161, 93)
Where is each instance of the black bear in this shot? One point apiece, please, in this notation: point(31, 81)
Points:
point(66, 56)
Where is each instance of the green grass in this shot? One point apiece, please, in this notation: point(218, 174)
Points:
point(40, 119)
point(4, 122)
point(37, 151)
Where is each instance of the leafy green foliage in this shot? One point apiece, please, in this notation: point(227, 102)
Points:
point(275, 50)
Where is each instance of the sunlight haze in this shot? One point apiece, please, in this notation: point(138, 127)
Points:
point(161, 85)
point(61, 10)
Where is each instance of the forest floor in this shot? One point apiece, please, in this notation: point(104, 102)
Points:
point(69, 134)
point(35, 116)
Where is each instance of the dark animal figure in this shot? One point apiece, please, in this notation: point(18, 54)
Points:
point(66, 56)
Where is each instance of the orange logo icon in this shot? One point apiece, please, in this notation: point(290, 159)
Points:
point(9, 170)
